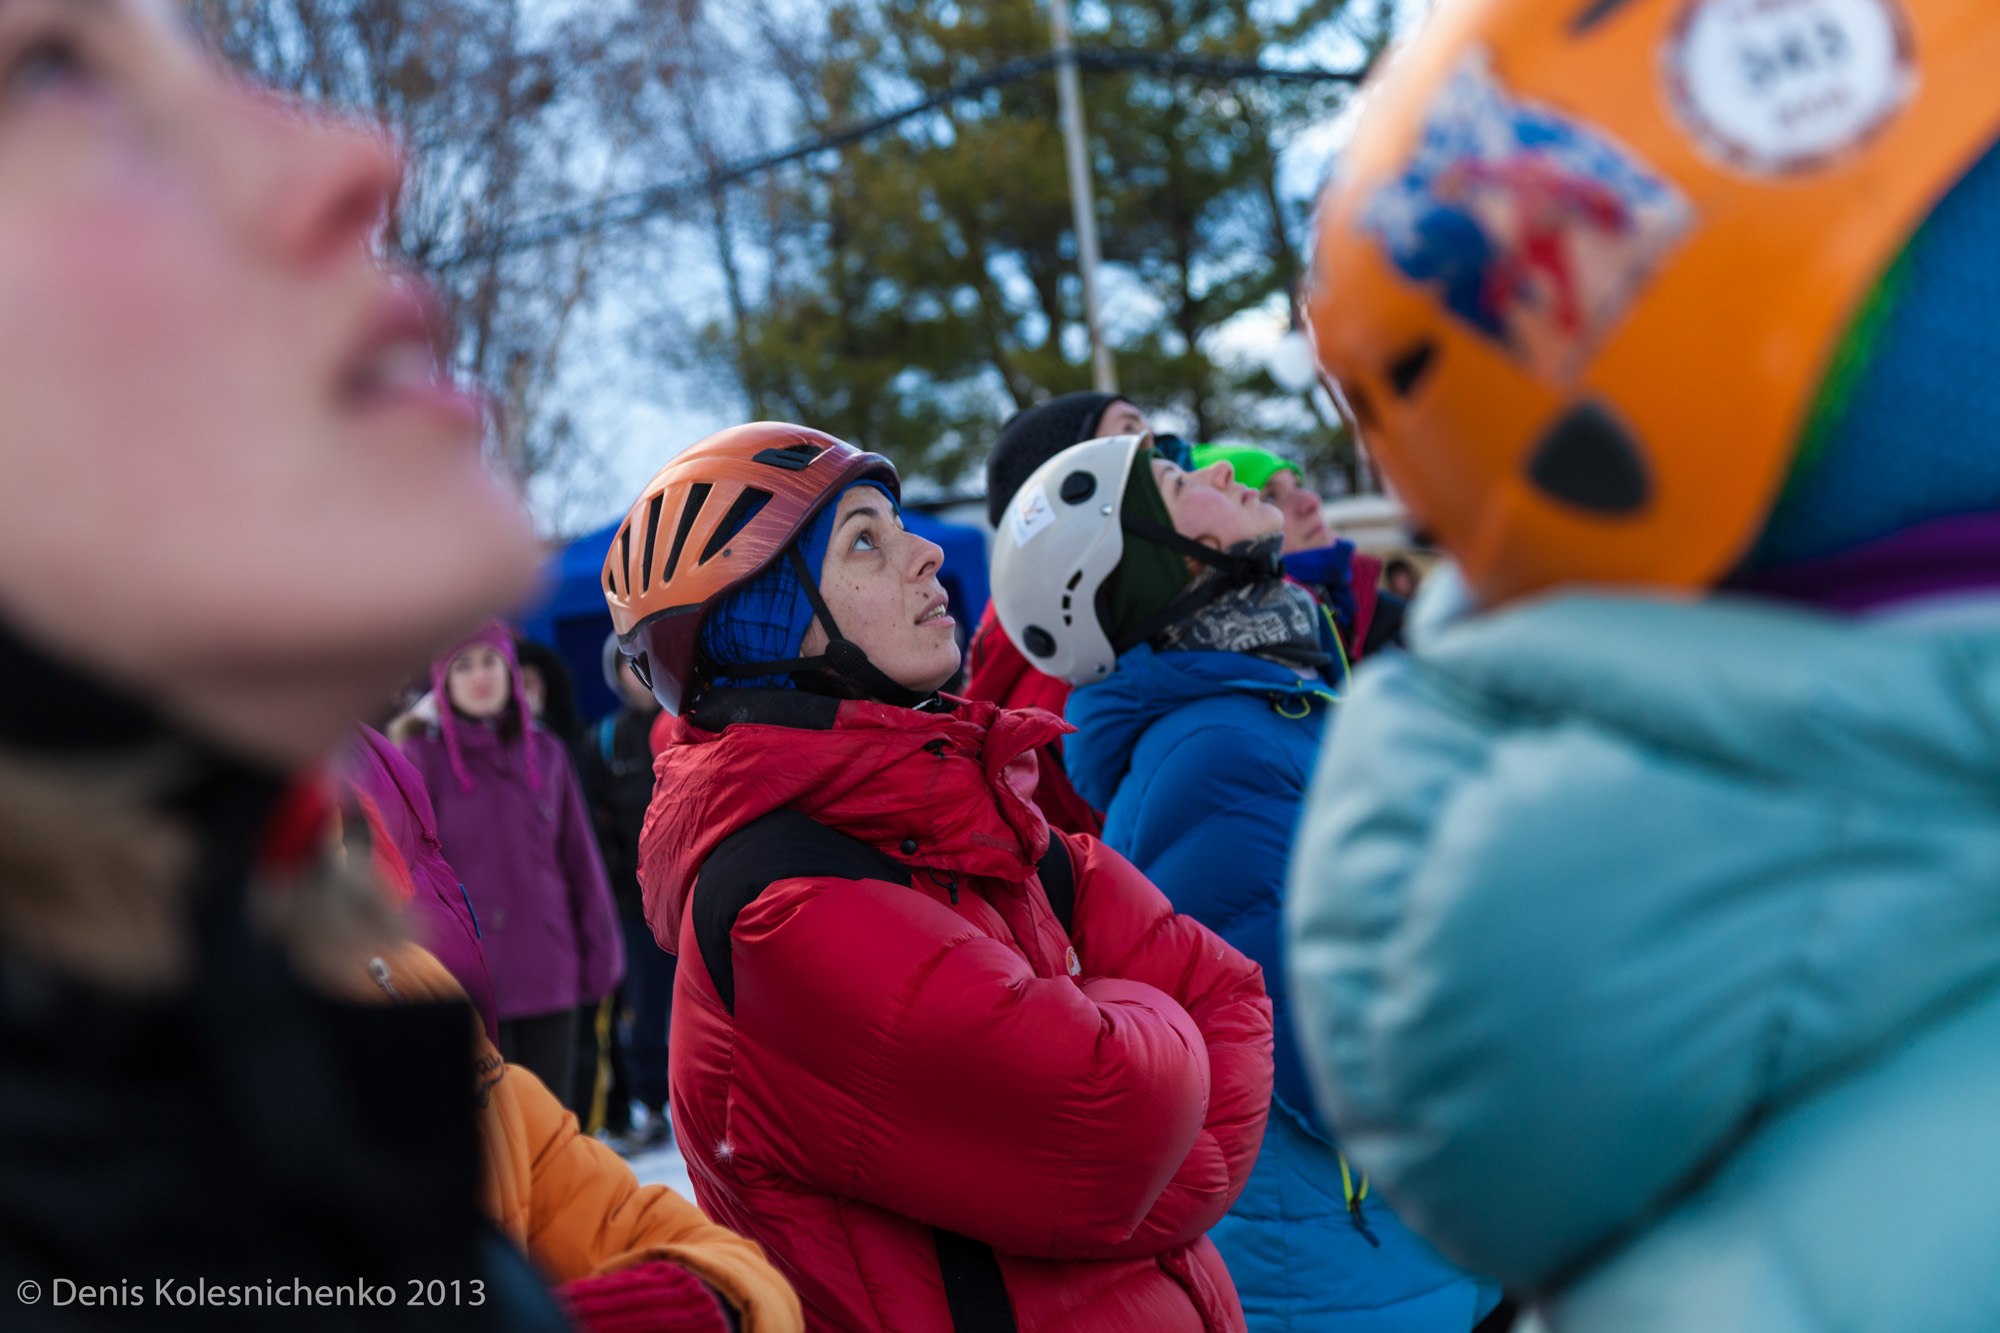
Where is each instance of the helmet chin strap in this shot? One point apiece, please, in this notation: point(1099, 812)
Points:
point(1237, 571)
point(843, 659)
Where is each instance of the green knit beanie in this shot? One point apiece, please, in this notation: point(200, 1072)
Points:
point(1148, 575)
point(1253, 467)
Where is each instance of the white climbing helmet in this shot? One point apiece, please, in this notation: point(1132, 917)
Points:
point(1059, 540)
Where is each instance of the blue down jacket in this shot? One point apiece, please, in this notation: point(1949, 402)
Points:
point(1200, 761)
point(1648, 953)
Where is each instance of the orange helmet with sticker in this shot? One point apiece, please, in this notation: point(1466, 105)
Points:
point(1587, 262)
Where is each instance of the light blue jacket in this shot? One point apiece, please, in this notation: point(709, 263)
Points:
point(1200, 761)
point(1648, 954)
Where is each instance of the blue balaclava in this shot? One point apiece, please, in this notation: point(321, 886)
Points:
point(1905, 423)
point(766, 619)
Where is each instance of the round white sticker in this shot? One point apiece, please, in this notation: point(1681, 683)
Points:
point(1787, 85)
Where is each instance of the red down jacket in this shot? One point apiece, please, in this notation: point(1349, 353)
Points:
point(887, 1064)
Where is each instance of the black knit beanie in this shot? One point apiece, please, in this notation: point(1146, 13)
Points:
point(1034, 436)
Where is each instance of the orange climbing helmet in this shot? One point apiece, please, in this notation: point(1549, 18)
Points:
point(1587, 263)
point(709, 521)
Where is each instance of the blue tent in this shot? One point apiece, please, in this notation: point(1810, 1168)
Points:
point(571, 618)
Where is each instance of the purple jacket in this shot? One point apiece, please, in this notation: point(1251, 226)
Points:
point(440, 912)
point(529, 860)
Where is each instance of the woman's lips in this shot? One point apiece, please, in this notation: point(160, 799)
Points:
point(398, 365)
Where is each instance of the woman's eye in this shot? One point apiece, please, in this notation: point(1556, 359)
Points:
point(49, 64)
point(864, 541)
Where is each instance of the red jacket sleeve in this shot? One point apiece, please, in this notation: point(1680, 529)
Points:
point(888, 1051)
point(1123, 926)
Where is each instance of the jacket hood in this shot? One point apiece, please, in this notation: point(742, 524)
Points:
point(493, 634)
point(1113, 714)
point(947, 790)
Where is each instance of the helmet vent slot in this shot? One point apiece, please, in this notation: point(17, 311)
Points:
point(1408, 371)
point(792, 458)
point(697, 497)
point(1074, 579)
point(1589, 460)
point(1593, 14)
point(652, 534)
point(748, 502)
point(625, 555)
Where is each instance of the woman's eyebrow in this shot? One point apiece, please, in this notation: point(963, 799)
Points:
point(857, 512)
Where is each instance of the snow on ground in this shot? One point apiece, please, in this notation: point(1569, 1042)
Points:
point(663, 1166)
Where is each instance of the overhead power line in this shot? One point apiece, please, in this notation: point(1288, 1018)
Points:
point(635, 206)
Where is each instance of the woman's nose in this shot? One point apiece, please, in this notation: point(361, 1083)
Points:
point(927, 555)
point(328, 183)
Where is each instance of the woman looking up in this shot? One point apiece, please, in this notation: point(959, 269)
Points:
point(952, 1070)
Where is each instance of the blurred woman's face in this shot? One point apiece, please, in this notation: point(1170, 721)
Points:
point(479, 683)
point(236, 480)
point(881, 583)
point(1121, 418)
point(1305, 517)
point(1210, 506)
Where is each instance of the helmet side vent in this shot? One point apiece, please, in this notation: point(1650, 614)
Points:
point(748, 501)
point(697, 497)
point(1593, 14)
point(1408, 371)
point(652, 533)
point(1589, 460)
point(625, 554)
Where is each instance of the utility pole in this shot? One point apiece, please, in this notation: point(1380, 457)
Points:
point(1069, 98)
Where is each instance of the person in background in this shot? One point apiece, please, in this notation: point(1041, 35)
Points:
point(618, 781)
point(996, 671)
point(512, 822)
point(1646, 905)
point(1205, 683)
point(1401, 578)
point(953, 1069)
point(551, 694)
point(1346, 581)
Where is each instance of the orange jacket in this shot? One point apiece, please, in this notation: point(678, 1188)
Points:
point(568, 1200)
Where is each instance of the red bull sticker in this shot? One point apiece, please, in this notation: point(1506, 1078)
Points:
point(1533, 228)
point(1773, 86)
